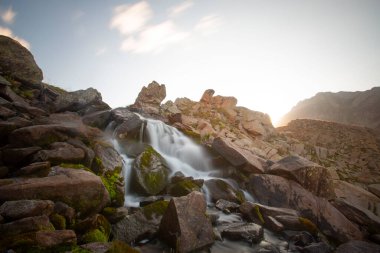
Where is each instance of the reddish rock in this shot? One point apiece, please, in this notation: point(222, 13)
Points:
point(150, 98)
point(25, 225)
point(60, 152)
point(39, 169)
point(220, 189)
point(185, 226)
point(250, 232)
point(18, 209)
point(48, 239)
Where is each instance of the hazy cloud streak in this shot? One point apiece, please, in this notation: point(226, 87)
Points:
point(208, 24)
point(8, 32)
point(8, 16)
point(180, 8)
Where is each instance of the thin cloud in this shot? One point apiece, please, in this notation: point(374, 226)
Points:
point(180, 8)
point(154, 38)
point(8, 32)
point(208, 24)
point(77, 14)
point(128, 19)
point(8, 16)
point(101, 51)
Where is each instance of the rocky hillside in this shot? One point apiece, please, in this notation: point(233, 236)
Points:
point(64, 155)
point(359, 108)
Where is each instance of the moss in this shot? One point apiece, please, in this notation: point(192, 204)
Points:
point(224, 186)
point(95, 235)
point(153, 180)
point(183, 188)
point(109, 211)
point(56, 89)
point(111, 179)
point(258, 214)
point(121, 247)
point(74, 166)
point(58, 221)
point(157, 208)
point(146, 156)
point(309, 225)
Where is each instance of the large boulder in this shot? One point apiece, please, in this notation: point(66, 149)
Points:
point(25, 225)
point(250, 232)
point(78, 188)
point(18, 209)
point(220, 189)
point(60, 152)
point(237, 156)
point(150, 98)
point(311, 176)
point(17, 62)
point(107, 159)
point(128, 124)
point(49, 239)
point(151, 172)
point(185, 226)
point(255, 123)
point(279, 192)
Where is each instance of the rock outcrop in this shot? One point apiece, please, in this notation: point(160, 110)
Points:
point(150, 98)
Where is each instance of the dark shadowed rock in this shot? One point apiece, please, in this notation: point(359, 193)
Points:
point(11, 124)
point(14, 210)
point(250, 232)
point(317, 247)
point(311, 176)
point(220, 189)
point(17, 156)
point(375, 189)
point(78, 188)
point(358, 247)
point(48, 239)
point(151, 172)
point(181, 186)
point(60, 152)
point(16, 61)
point(25, 225)
point(128, 124)
point(6, 113)
point(64, 210)
point(38, 169)
point(97, 119)
point(150, 98)
point(236, 156)
point(185, 226)
point(280, 192)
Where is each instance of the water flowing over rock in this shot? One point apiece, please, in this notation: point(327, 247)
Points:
point(185, 226)
point(17, 62)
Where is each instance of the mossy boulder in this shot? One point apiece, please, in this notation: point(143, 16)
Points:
point(184, 186)
point(94, 229)
point(150, 172)
point(220, 189)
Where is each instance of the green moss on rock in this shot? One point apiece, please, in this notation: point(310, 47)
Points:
point(309, 225)
point(157, 208)
point(95, 235)
point(121, 247)
point(58, 221)
point(111, 180)
point(258, 214)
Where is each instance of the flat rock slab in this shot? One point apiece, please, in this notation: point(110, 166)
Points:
point(18, 209)
point(250, 232)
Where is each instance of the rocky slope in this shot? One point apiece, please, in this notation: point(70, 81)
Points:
point(62, 187)
point(354, 108)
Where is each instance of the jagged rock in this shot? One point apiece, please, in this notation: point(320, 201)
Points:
point(77, 100)
point(14, 210)
point(78, 188)
point(44, 135)
point(17, 62)
point(207, 96)
point(49, 239)
point(280, 192)
point(143, 224)
point(32, 111)
point(358, 247)
point(151, 172)
point(98, 119)
point(311, 176)
point(185, 226)
point(375, 189)
point(256, 123)
point(250, 232)
point(25, 225)
point(89, 153)
point(358, 215)
point(150, 98)
point(220, 189)
point(60, 152)
point(357, 196)
point(236, 156)
point(38, 169)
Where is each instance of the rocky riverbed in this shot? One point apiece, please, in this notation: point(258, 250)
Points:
point(184, 176)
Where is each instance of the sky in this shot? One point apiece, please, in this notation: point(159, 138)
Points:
point(269, 54)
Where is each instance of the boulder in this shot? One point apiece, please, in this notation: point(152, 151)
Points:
point(65, 211)
point(60, 152)
point(38, 169)
point(17, 62)
point(18, 156)
point(237, 156)
point(311, 176)
point(98, 119)
point(150, 98)
point(220, 189)
point(280, 192)
point(358, 247)
point(25, 225)
point(250, 232)
point(207, 96)
point(129, 125)
point(49, 239)
point(357, 196)
point(185, 226)
point(226, 206)
point(183, 186)
point(18, 209)
point(256, 123)
point(375, 189)
point(107, 159)
point(151, 172)
point(78, 188)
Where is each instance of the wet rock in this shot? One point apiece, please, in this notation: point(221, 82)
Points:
point(273, 224)
point(17, 62)
point(358, 247)
point(250, 232)
point(60, 152)
point(18, 156)
point(183, 186)
point(97, 119)
point(42, 135)
point(291, 222)
point(97, 247)
point(219, 189)
point(14, 210)
point(358, 215)
point(50, 239)
point(226, 206)
point(258, 212)
point(280, 192)
point(185, 226)
point(78, 188)
point(311, 176)
point(25, 225)
point(236, 156)
point(151, 173)
point(38, 169)
point(143, 224)
point(150, 98)
point(375, 189)
point(128, 123)
point(93, 228)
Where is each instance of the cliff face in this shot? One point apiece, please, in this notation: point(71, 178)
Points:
point(353, 108)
